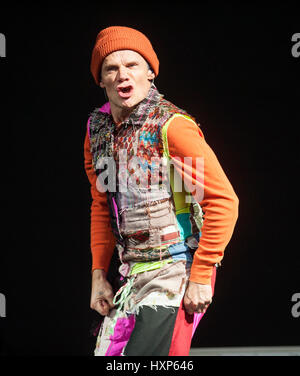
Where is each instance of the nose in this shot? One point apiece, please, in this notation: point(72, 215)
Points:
point(123, 74)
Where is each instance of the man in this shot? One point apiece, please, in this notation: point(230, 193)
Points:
point(167, 250)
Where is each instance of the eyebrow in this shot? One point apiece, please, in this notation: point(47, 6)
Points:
point(110, 66)
point(115, 66)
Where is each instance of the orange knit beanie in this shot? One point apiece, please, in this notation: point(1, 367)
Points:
point(117, 38)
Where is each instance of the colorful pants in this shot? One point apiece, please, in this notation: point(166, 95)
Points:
point(150, 318)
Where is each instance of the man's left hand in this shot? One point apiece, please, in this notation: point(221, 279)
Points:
point(197, 297)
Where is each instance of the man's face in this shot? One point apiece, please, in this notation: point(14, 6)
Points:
point(125, 75)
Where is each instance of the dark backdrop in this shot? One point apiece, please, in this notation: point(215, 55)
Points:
point(232, 68)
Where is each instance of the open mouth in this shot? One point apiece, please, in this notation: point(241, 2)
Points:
point(125, 92)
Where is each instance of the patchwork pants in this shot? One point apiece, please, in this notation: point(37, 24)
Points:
point(149, 318)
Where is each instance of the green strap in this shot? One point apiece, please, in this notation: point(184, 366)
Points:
point(141, 267)
point(123, 294)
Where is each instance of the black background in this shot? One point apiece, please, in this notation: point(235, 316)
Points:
point(231, 67)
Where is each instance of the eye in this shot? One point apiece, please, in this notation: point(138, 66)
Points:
point(111, 68)
point(132, 65)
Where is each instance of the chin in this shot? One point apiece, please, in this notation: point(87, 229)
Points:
point(129, 103)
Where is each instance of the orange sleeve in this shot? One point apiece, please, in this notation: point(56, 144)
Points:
point(102, 238)
point(219, 201)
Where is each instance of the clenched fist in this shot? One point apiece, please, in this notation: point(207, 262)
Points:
point(102, 293)
point(197, 297)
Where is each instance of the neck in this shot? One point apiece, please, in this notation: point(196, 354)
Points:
point(120, 114)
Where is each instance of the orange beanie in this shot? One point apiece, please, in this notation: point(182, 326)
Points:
point(117, 38)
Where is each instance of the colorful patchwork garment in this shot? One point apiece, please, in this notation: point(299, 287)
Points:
point(157, 230)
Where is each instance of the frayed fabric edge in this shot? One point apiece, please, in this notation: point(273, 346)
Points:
point(138, 307)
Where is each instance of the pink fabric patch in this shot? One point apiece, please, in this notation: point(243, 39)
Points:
point(88, 127)
point(197, 318)
point(105, 108)
point(116, 211)
point(122, 333)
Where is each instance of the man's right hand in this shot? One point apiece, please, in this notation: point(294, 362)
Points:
point(102, 293)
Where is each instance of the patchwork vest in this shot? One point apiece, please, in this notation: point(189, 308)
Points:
point(132, 166)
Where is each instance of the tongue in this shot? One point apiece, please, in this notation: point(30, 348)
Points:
point(126, 92)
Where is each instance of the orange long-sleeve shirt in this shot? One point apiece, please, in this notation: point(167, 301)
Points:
point(102, 238)
point(220, 203)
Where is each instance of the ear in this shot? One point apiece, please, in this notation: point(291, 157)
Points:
point(150, 75)
point(101, 85)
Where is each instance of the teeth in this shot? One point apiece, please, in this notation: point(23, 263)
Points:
point(125, 89)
